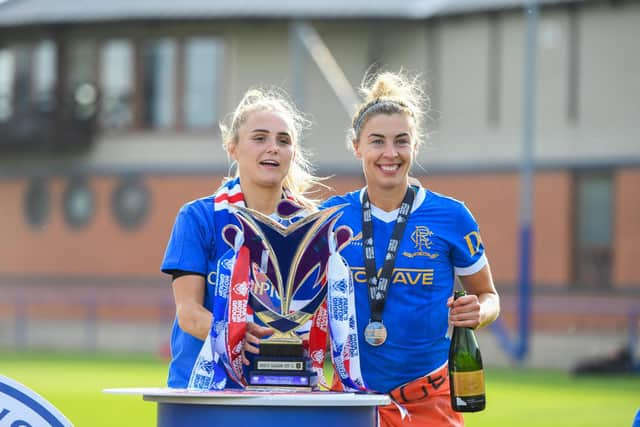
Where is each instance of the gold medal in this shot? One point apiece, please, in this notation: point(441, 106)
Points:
point(375, 333)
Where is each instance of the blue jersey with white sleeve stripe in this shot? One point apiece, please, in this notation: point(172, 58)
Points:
point(441, 241)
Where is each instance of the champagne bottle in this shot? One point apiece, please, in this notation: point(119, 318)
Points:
point(466, 376)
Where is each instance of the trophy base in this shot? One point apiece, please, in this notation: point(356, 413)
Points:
point(301, 381)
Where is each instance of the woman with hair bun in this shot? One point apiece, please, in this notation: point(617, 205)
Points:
point(408, 246)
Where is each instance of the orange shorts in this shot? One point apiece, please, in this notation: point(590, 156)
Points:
point(426, 400)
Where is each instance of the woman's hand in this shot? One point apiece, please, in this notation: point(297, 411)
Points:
point(464, 311)
point(252, 339)
point(480, 306)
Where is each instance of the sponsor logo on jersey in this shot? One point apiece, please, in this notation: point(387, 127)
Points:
point(400, 276)
point(474, 242)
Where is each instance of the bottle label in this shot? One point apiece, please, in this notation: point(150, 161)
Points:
point(468, 383)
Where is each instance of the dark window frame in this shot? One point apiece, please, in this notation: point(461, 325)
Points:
point(585, 256)
point(130, 219)
point(37, 203)
point(78, 184)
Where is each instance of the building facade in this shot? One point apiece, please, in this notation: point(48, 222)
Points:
point(149, 85)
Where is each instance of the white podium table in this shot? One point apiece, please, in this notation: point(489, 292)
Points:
point(233, 408)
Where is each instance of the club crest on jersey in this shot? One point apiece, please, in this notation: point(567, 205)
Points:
point(421, 238)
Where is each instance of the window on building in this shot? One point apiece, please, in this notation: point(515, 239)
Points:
point(593, 229)
point(22, 79)
point(6, 84)
point(203, 56)
point(81, 79)
point(82, 64)
point(130, 202)
point(177, 85)
point(27, 94)
point(116, 85)
point(44, 73)
point(159, 64)
point(27, 79)
point(78, 202)
point(37, 203)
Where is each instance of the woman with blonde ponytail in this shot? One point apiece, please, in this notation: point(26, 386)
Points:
point(262, 138)
point(409, 244)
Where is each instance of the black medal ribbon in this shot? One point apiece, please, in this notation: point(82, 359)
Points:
point(375, 332)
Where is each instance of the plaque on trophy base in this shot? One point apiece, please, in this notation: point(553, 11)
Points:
point(280, 364)
point(302, 381)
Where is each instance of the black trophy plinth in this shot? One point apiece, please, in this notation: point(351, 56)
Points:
point(281, 364)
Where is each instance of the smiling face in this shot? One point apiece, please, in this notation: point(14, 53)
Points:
point(387, 148)
point(264, 149)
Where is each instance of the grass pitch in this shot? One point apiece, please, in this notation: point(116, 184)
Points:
point(515, 397)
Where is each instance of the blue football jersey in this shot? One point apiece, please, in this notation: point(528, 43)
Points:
point(196, 245)
point(441, 240)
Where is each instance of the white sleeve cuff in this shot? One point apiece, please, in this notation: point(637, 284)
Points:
point(472, 269)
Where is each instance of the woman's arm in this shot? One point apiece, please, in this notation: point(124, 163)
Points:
point(480, 306)
point(193, 317)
